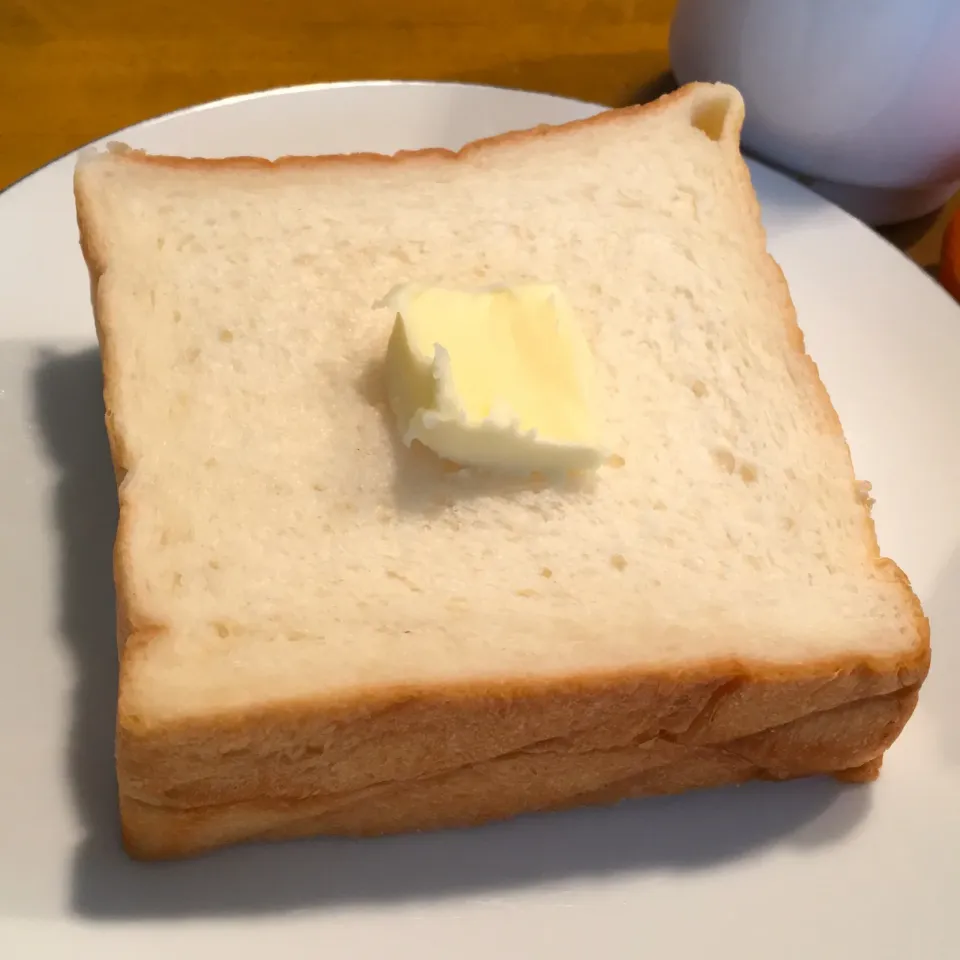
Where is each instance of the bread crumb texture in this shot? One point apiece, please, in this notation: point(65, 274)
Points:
point(278, 540)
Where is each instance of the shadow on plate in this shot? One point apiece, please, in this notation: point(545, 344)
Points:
point(939, 693)
point(700, 831)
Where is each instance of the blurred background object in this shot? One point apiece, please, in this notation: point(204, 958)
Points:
point(72, 72)
point(859, 97)
point(950, 258)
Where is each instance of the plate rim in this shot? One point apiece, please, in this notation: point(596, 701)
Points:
point(287, 90)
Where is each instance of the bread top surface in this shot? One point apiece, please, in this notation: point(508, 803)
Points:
point(278, 542)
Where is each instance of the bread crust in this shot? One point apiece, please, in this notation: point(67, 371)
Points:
point(420, 757)
point(690, 93)
point(553, 775)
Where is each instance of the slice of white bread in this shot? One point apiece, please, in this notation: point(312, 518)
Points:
point(323, 631)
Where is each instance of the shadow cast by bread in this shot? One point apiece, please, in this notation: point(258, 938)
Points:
point(69, 406)
point(943, 607)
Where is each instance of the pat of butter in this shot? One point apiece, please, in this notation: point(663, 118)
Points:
point(500, 378)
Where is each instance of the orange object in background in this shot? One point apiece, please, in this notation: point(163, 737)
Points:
point(950, 257)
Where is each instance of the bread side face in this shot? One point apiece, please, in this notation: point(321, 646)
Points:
point(591, 768)
point(306, 575)
point(402, 735)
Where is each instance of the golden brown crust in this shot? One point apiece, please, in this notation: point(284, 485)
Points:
point(469, 150)
point(544, 777)
point(300, 749)
point(416, 758)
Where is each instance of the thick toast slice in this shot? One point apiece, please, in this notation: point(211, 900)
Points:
point(323, 631)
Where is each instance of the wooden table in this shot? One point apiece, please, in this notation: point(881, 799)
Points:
point(71, 71)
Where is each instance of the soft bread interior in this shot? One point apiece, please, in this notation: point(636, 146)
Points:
point(278, 542)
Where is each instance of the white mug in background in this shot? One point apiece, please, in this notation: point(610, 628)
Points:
point(861, 97)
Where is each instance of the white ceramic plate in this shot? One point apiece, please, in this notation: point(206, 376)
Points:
point(801, 870)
